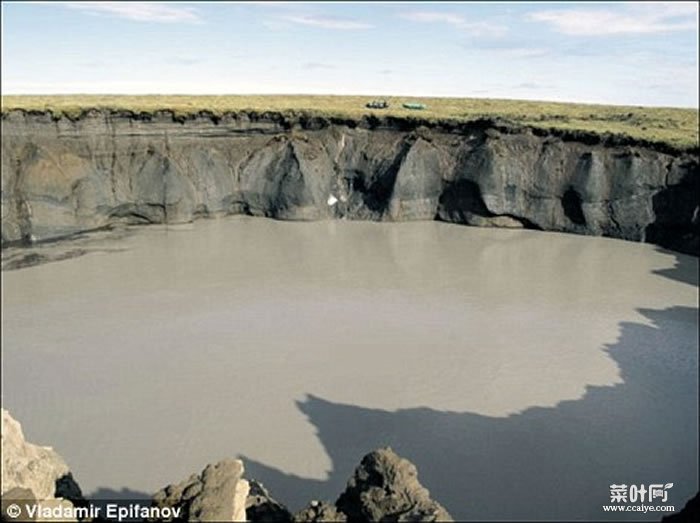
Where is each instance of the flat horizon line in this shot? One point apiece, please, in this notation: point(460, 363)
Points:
point(369, 95)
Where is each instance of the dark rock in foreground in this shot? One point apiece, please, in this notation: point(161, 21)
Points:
point(260, 506)
point(319, 511)
point(385, 487)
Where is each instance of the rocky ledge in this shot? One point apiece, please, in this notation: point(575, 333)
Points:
point(384, 487)
point(62, 176)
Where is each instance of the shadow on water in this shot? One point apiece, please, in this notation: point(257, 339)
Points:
point(552, 463)
point(107, 499)
point(685, 269)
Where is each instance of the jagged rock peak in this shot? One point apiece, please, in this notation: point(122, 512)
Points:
point(385, 487)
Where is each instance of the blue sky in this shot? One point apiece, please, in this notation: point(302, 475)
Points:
point(620, 53)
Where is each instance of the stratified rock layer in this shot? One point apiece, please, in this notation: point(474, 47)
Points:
point(61, 176)
point(385, 487)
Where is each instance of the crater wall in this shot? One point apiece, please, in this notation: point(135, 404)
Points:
point(61, 176)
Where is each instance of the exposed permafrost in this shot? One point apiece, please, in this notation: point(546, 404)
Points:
point(62, 176)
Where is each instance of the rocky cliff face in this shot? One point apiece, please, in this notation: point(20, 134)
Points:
point(61, 176)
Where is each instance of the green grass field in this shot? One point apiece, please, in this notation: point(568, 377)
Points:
point(672, 126)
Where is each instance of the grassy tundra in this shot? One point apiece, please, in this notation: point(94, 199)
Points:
point(672, 126)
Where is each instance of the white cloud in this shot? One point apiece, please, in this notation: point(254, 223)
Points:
point(506, 48)
point(139, 11)
point(328, 22)
point(431, 16)
point(634, 19)
point(671, 8)
point(456, 21)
